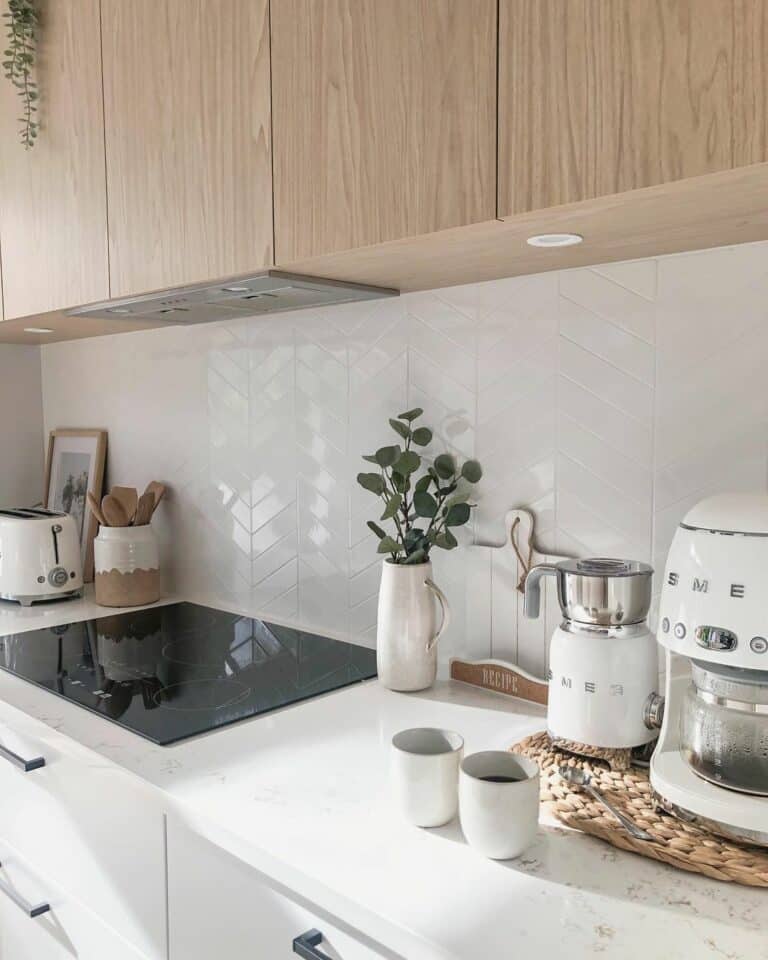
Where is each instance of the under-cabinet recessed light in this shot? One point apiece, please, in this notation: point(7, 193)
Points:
point(236, 289)
point(555, 240)
point(38, 330)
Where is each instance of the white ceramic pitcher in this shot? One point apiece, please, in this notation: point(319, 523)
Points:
point(407, 631)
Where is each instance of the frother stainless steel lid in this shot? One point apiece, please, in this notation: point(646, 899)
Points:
point(598, 591)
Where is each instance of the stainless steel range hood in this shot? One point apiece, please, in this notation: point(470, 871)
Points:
point(269, 292)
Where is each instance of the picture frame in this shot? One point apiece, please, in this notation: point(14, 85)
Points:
point(74, 467)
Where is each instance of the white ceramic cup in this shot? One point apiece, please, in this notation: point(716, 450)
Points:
point(499, 802)
point(425, 774)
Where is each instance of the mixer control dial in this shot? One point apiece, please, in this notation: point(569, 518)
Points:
point(716, 638)
point(680, 631)
point(758, 644)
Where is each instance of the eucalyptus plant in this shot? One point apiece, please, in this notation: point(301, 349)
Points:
point(22, 22)
point(421, 511)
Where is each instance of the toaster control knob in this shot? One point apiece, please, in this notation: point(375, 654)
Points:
point(58, 577)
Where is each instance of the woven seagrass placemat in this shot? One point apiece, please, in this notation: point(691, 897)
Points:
point(676, 843)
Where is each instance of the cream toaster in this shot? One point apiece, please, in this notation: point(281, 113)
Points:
point(39, 556)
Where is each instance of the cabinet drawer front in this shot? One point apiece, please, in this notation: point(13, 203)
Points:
point(61, 930)
point(220, 907)
point(90, 827)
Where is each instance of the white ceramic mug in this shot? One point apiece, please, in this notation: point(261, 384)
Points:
point(499, 802)
point(425, 774)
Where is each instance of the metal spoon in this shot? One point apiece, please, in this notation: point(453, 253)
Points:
point(580, 778)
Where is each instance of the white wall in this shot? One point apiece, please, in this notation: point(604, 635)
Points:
point(608, 399)
point(21, 426)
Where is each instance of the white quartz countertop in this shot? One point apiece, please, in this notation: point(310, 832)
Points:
point(302, 795)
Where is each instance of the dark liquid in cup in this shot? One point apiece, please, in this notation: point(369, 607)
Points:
point(500, 778)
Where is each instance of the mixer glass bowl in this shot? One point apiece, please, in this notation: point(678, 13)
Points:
point(724, 727)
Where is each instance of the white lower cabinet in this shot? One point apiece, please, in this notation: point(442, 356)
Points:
point(219, 907)
point(90, 827)
point(38, 921)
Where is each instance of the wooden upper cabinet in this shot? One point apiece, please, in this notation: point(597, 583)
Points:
point(384, 120)
point(598, 97)
point(187, 107)
point(53, 220)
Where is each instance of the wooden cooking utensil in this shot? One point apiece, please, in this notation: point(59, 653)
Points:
point(96, 509)
point(114, 512)
point(129, 500)
point(157, 490)
point(145, 509)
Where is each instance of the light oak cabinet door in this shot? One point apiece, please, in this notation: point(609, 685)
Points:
point(53, 219)
point(384, 119)
point(187, 108)
point(598, 97)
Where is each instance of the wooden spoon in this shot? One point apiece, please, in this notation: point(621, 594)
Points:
point(96, 509)
point(128, 498)
point(114, 512)
point(157, 490)
point(145, 509)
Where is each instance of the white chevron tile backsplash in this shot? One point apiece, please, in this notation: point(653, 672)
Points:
point(606, 399)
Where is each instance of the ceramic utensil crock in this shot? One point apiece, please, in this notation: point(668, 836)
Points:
point(499, 803)
point(425, 774)
point(127, 562)
point(407, 631)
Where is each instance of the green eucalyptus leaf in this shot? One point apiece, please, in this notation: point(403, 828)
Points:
point(423, 483)
point(399, 482)
point(472, 471)
point(370, 458)
point(422, 436)
point(445, 466)
point(425, 504)
point(410, 415)
point(389, 545)
point(377, 529)
point(374, 482)
point(393, 505)
point(447, 491)
point(407, 463)
point(446, 541)
point(400, 428)
point(461, 497)
point(413, 535)
point(418, 556)
point(387, 456)
point(457, 515)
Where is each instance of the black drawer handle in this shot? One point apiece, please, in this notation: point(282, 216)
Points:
point(26, 765)
point(306, 946)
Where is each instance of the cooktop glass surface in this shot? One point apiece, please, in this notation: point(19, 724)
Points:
point(172, 672)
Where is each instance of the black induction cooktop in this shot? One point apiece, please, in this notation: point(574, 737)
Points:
point(172, 672)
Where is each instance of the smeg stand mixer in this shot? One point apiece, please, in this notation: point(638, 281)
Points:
point(711, 763)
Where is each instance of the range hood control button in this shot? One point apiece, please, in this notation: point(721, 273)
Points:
point(716, 638)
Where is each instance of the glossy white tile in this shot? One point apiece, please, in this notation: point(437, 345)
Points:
point(605, 399)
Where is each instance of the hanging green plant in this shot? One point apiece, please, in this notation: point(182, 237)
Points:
point(19, 59)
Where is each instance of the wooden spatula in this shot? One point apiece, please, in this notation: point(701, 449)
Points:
point(145, 509)
point(129, 500)
point(114, 512)
point(157, 490)
point(96, 509)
